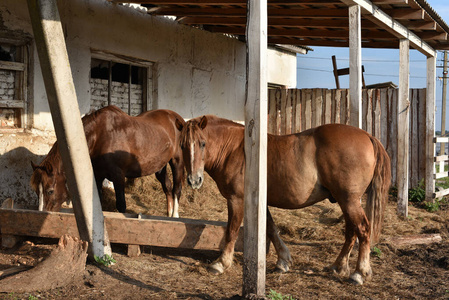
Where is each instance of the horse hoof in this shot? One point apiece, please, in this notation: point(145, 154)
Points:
point(216, 269)
point(356, 278)
point(281, 267)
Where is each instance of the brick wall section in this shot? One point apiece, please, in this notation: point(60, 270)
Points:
point(7, 82)
point(119, 95)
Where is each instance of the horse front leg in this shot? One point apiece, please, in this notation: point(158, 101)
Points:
point(177, 167)
point(120, 201)
point(235, 218)
point(166, 184)
point(284, 258)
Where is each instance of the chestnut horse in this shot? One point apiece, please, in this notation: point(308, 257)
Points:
point(335, 162)
point(120, 146)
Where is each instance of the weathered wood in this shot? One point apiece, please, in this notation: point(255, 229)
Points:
point(134, 250)
point(355, 65)
point(64, 265)
point(254, 256)
point(60, 90)
point(122, 228)
point(418, 239)
point(403, 128)
point(430, 126)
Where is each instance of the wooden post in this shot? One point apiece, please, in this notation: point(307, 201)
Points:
point(355, 65)
point(69, 129)
point(403, 127)
point(256, 106)
point(430, 126)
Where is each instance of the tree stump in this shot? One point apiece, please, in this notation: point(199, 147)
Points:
point(64, 265)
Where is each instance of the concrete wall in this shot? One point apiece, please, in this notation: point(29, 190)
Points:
point(195, 72)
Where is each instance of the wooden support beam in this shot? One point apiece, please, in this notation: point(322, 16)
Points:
point(256, 107)
point(403, 128)
point(376, 15)
point(126, 229)
point(430, 127)
point(63, 103)
point(355, 65)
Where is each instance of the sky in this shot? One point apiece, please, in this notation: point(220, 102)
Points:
point(314, 70)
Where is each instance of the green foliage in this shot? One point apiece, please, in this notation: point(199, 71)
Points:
point(418, 193)
point(106, 260)
point(273, 295)
point(432, 206)
point(376, 252)
point(31, 297)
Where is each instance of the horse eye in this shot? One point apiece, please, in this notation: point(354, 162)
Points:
point(203, 144)
point(50, 192)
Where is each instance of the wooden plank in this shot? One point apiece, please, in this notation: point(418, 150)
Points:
point(414, 139)
point(418, 239)
point(430, 126)
point(336, 107)
point(441, 175)
point(422, 133)
point(283, 110)
point(297, 111)
point(307, 103)
point(278, 111)
point(441, 193)
point(272, 111)
point(384, 124)
point(255, 194)
point(355, 64)
point(441, 139)
point(12, 66)
point(122, 229)
point(327, 114)
point(377, 114)
point(403, 128)
point(441, 158)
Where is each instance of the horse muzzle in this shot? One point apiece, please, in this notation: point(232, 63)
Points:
point(195, 181)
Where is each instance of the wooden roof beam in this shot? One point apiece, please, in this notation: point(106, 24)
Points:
point(241, 12)
point(373, 13)
point(228, 2)
point(284, 22)
point(377, 2)
point(406, 13)
point(420, 25)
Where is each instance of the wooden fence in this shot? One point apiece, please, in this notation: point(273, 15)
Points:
point(295, 110)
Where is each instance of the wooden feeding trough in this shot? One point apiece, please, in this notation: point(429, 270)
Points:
point(130, 229)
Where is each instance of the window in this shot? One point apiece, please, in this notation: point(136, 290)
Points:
point(13, 85)
point(121, 82)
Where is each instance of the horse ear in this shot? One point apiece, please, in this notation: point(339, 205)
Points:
point(179, 124)
point(49, 169)
point(203, 122)
point(33, 165)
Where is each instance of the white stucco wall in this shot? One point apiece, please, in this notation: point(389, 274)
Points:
point(195, 72)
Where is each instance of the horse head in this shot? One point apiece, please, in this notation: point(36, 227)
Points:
point(193, 145)
point(49, 183)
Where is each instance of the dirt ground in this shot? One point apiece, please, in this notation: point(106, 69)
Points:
point(314, 236)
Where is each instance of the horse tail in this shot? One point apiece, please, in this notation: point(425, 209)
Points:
point(378, 190)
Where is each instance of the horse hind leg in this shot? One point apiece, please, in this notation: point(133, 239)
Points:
point(166, 184)
point(356, 226)
point(284, 258)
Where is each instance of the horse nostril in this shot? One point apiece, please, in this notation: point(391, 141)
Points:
point(189, 182)
point(200, 180)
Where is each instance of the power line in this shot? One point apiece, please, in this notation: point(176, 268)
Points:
point(368, 59)
point(365, 74)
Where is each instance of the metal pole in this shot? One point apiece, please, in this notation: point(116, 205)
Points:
point(69, 129)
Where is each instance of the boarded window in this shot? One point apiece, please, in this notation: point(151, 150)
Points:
point(120, 83)
point(13, 85)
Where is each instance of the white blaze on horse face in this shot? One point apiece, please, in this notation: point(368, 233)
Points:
point(192, 155)
point(41, 197)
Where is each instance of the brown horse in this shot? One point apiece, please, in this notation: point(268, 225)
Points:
point(335, 162)
point(120, 146)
